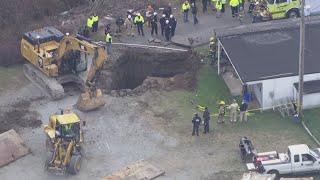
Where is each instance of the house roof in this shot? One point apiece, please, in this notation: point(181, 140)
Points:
point(272, 54)
point(309, 87)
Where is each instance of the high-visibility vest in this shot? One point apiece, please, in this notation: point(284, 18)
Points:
point(95, 18)
point(185, 6)
point(234, 3)
point(223, 1)
point(218, 5)
point(89, 22)
point(108, 38)
point(138, 19)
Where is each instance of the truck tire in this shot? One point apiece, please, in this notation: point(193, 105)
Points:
point(293, 13)
point(276, 173)
point(75, 164)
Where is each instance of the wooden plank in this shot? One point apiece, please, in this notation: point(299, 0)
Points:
point(140, 170)
point(12, 147)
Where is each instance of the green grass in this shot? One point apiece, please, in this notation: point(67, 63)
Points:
point(312, 119)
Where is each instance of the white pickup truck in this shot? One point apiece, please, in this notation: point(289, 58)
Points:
point(299, 159)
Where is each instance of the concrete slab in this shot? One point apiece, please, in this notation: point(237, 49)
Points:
point(233, 83)
point(12, 147)
point(140, 170)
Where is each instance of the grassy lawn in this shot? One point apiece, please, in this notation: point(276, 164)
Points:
point(312, 119)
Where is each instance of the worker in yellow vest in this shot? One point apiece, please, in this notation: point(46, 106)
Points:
point(185, 10)
point(234, 4)
point(223, 2)
point(139, 21)
point(108, 42)
point(90, 22)
point(95, 24)
point(219, 8)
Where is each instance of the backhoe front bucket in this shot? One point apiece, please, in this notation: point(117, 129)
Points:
point(89, 101)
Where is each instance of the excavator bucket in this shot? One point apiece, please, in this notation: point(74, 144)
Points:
point(12, 147)
point(89, 101)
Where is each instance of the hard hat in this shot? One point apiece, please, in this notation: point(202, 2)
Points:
point(222, 103)
point(163, 15)
point(167, 21)
point(212, 39)
point(171, 16)
point(138, 14)
point(129, 16)
point(155, 13)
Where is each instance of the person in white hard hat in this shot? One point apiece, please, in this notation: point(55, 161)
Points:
point(128, 24)
point(173, 24)
point(139, 21)
point(162, 23)
point(154, 24)
point(167, 30)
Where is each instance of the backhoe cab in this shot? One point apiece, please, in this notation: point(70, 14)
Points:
point(64, 139)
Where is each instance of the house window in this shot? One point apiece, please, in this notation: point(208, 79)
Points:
point(296, 158)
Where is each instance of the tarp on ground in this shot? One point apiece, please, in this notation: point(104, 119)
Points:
point(312, 7)
point(12, 147)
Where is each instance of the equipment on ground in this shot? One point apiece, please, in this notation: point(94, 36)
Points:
point(264, 10)
point(55, 59)
point(64, 139)
point(247, 150)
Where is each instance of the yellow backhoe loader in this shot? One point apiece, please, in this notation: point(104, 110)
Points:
point(56, 59)
point(64, 139)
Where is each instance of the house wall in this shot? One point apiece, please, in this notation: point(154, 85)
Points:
point(309, 100)
point(276, 89)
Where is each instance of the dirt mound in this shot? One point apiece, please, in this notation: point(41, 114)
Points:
point(17, 116)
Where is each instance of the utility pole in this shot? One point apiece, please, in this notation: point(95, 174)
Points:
point(301, 58)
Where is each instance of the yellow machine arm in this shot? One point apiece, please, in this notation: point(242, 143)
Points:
point(92, 98)
point(76, 43)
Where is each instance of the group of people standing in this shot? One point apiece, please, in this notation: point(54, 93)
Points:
point(233, 108)
point(167, 22)
point(196, 121)
point(218, 6)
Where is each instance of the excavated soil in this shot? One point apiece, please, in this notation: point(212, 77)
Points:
point(137, 70)
point(18, 116)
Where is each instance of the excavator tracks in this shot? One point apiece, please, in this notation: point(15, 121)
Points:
point(50, 86)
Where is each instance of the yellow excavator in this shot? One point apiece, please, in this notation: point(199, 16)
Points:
point(64, 140)
point(55, 59)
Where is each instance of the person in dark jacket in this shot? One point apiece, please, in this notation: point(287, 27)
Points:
point(194, 12)
point(173, 24)
point(206, 119)
point(196, 120)
point(204, 5)
point(243, 111)
point(167, 10)
point(162, 23)
point(167, 31)
point(154, 24)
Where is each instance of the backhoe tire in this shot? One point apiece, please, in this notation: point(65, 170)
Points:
point(293, 13)
point(276, 173)
point(75, 164)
